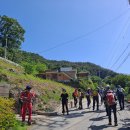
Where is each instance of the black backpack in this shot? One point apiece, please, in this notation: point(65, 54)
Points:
point(119, 91)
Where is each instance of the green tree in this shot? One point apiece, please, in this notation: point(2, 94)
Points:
point(108, 80)
point(120, 80)
point(29, 68)
point(86, 83)
point(40, 67)
point(96, 79)
point(11, 33)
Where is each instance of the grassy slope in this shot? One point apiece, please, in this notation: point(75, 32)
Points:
point(47, 91)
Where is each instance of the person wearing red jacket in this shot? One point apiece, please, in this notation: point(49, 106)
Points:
point(27, 97)
point(75, 96)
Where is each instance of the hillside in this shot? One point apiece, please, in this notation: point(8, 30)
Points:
point(33, 58)
point(94, 70)
point(48, 92)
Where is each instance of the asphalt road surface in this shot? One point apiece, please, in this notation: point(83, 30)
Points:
point(85, 119)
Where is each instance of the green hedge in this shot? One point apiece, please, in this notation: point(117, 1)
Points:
point(8, 119)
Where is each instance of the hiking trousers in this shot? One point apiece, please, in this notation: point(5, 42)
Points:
point(88, 101)
point(121, 101)
point(110, 109)
point(65, 106)
point(25, 107)
point(75, 101)
point(80, 103)
point(106, 106)
point(95, 101)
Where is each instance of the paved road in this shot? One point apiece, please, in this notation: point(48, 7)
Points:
point(85, 119)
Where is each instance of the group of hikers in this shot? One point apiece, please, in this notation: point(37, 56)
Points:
point(108, 98)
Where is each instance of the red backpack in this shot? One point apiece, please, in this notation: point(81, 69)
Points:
point(110, 99)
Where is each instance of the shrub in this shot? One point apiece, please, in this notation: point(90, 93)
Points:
point(128, 97)
point(7, 116)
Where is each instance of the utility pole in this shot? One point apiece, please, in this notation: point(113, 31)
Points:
point(5, 47)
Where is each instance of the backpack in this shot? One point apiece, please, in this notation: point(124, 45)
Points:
point(95, 93)
point(110, 99)
point(119, 91)
point(75, 94)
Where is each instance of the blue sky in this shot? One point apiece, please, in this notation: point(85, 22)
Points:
point(95, 31)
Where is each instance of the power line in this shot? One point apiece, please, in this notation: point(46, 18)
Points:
point(129, 2)
point(82, 36)
point(123, 61)
point(121, 55)
point(116, 41)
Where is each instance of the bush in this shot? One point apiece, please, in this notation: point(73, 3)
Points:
point(7, 116)
point(19, 126)
point(128, 97)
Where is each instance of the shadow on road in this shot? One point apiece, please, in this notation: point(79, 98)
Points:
point(126, 124)
point(101, 127)
point(84, 112)
point(50, 123)
point(98, 118)
point(74, 115)
point(128, 128)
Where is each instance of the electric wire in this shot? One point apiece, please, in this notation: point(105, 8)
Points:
point(84, 35)
point(120, 55)
point(123, 61)
point(116, 41)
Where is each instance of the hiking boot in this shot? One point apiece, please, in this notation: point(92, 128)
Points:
point(109, 123)
point(116, 124)
point(29, 122)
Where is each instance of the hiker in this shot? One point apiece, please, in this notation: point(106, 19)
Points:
point(27, 98)
point(101, 91)
point(111, 102)
point(104, 98)
point(120, 95)
point(88, 97)
point(75, 96)
point(81, 96)
point(64, 98)
point(95, 95)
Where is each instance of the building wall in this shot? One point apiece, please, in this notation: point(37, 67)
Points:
point(82, 74)
point(52, 76)
point(63, 78)
point(72, 74)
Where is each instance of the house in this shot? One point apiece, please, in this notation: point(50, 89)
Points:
point(82, 74)
point(64, 74)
